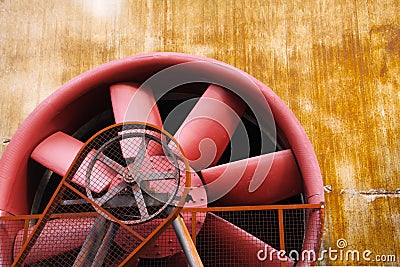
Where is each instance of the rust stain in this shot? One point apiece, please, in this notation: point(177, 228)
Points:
point(336, 64)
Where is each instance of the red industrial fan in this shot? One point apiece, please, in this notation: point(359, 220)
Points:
point(93, 177)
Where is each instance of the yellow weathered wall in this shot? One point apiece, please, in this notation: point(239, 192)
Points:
point(335, 63)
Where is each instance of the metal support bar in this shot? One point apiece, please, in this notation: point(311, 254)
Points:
point(93, 242)
point(104, 248)
point(281, 234)
point(186, 242)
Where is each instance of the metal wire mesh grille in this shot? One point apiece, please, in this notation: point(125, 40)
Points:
point(142, 184)
point(253, 237)
point(113, 201)
point(116, 197)
point(235, 236)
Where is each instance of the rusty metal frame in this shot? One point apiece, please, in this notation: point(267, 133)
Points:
point(64, 184)
point(193, 211)
point(279, 208)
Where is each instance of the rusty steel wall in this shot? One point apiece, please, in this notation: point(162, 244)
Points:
point(336, 64)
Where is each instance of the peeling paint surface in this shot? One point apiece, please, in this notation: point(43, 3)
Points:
point(336, 64)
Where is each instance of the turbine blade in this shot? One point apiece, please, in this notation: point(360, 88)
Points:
point(230, 245)
point(207, 129)
point(130, 102)
point(57, 153)
point(251, 182)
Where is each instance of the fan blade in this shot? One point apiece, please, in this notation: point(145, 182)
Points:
point(8, 232)
point(281, 181)
point(57, 153)
point(178, 259)
point(232, 245)
point(206, 131)
point(132, 103)
point(58, 236)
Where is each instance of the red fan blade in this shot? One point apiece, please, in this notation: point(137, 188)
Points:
point(178, 259)
point(131, 103)
point(134, 103)
point(206, 131)
point(232, 245)
point(8, 231)
point(233, 183)
point(57, 153)
point(58, 236)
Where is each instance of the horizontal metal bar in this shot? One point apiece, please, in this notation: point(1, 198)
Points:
point(263, 207)
point(20, 217)
point(208, 209)
point(52, 216)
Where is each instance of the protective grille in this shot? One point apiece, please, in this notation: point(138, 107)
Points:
point(234, 236)
point(116, 202)
point(254, 236)
point(123, 189)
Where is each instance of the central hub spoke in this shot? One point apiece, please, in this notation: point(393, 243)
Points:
point(143, 183)
point(129, 178)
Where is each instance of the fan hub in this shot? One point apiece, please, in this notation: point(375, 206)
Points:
point(129, 178)
point(123, 154)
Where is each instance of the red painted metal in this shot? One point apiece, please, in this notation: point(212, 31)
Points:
point(64, 235)
point(8, 232)
point(227, 235)
point(214, 117)
point(132, 103)
point(57, 153)
point(45, 137)
point(177, 259)
point(57, 113)
point(167, 244)
point(283, 180)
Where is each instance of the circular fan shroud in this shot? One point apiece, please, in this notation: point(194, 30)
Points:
point(82, 98)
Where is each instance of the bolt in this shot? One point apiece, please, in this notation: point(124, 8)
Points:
point(328, 188)
point(6, 141)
